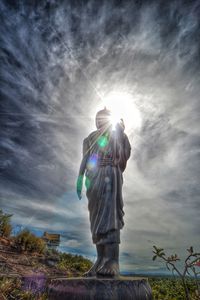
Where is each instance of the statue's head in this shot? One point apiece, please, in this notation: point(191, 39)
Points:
point(103, 119)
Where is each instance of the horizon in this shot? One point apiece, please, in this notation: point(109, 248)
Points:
point(158, 269)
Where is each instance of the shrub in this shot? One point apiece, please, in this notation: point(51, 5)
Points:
point(27, 241)
point(5, 226)
point(72, 263)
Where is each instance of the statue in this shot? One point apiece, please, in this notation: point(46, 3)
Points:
point(105, 154)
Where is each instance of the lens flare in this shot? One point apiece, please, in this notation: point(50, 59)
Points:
point(92, 162)
point(102, 141)
point(87, 182)
point(122, 106)
point(80, 182)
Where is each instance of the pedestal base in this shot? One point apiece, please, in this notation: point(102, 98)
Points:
point(122, 288)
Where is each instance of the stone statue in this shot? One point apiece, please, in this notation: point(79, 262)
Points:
point(105, 154)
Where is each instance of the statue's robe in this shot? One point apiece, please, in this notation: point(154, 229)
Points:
point(106, 160)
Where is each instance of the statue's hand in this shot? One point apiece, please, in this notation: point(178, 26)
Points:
point(79, 194)
point(79, 185)
point(120, 126)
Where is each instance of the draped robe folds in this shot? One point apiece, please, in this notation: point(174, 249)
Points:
point(104, 184)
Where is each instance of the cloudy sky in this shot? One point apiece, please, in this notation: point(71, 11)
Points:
point(58, 61)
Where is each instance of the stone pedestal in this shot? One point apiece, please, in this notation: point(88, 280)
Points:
point(122, 288)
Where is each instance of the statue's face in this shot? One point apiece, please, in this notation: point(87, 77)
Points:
point(103, 121)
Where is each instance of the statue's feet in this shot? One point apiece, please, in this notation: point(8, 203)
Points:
point(93, 270)
point(109, 269)
point(90, 273)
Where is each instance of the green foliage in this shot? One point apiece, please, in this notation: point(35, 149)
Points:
point(72, 263)
point(190, 263)
point(6, 229)
point(27, 241)
point(51, 252)
point(172, 288)
point(5, 226)
point(11, 288)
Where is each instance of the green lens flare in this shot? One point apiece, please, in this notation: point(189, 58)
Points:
point(102, 141)
point(80, 182)
point(87, 182)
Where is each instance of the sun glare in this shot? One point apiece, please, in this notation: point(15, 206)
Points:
point(121, 105)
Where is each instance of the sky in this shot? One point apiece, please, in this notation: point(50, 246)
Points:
point(59, 60)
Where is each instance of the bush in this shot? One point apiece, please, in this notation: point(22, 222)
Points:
point(6, 229)
point(5, 226)
point(27, 241)
point(51, 252)
point(72, 263)
point(171, 288)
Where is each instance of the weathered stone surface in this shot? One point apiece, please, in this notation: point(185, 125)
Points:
point(122, 288)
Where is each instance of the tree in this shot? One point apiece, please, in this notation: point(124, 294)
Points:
point(5, 226)
point(190, 262)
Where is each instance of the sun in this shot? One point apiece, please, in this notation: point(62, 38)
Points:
point(121, 105)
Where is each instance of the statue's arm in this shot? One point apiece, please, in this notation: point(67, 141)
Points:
point(127, 147)
point(124, 148)
point(82, 169)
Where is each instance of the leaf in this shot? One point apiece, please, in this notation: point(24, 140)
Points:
point(190, 250)
point(154, 257)
point(161, 249)
point(197, 264)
